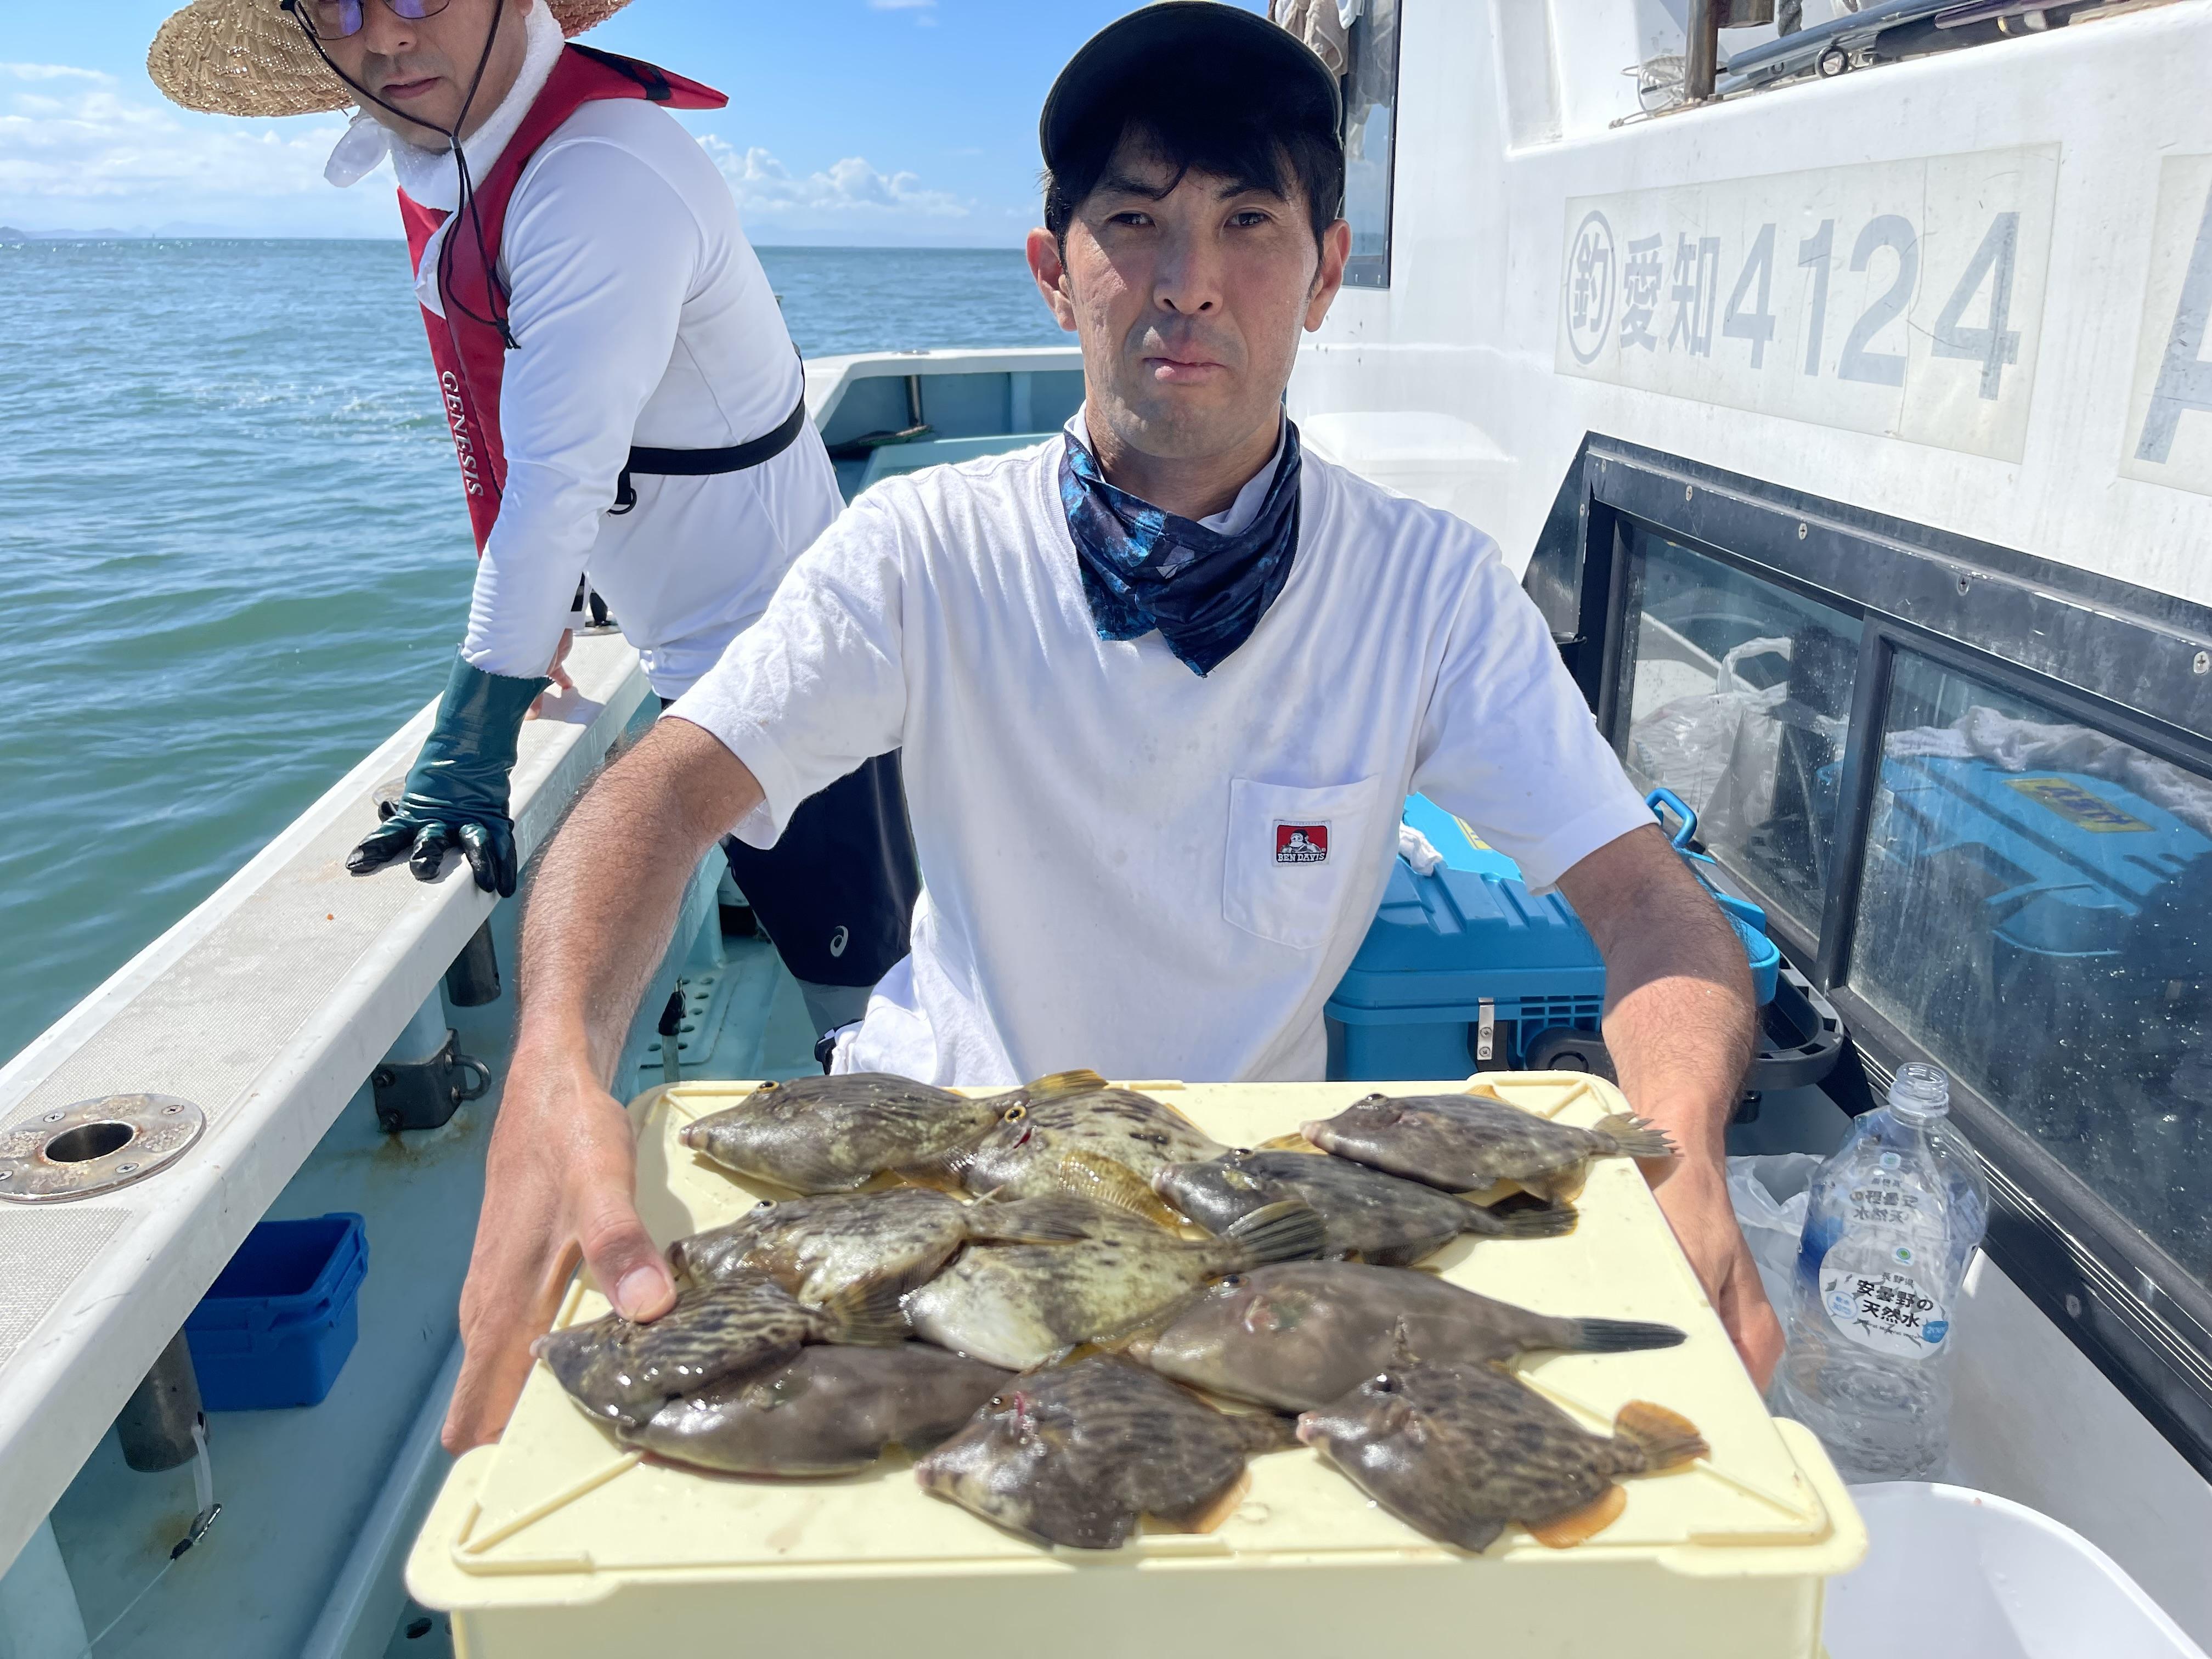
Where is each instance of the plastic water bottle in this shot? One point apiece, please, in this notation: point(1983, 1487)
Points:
point(1892, 1221)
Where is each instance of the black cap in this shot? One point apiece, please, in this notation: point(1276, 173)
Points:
point(1237, 47)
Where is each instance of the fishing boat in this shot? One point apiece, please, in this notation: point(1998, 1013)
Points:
point(1854, 433)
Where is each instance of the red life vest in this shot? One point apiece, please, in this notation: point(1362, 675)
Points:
point(466, 347)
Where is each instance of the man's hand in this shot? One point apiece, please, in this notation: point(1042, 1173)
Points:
point(557, 672)
point(558, 1183)
point(456, 795)
point(1680, 1022)
point(1696, 1204)
point(562, 1175)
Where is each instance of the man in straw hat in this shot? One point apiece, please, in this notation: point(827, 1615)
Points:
point(1162, 685)
point(624, 402)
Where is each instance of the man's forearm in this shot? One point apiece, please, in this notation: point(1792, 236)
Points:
point(1680, 1019)
point(604, 898)
point(1678, 1025)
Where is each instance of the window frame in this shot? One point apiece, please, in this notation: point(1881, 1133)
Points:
point(1371, 272)
point(2092, 648)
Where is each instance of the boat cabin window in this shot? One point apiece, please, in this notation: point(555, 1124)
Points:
point(2031, 912)
point(1737, 696)
point(1972, 788)
point(1371, 135)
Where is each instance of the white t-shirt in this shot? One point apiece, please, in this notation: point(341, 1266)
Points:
point(1127, 866)
point(642, 317)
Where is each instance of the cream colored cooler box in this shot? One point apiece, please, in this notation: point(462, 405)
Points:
point(557, 1542)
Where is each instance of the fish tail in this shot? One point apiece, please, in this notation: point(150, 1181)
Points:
point(1550, 1221)
point(868, 1315)
point(1620, 1336)
point(1629, 1136)
point(1664, 1437)
point(1288, 1232)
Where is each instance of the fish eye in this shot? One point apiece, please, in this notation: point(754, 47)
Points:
point(1235, 1281)
point(1015, 1114)
point(1240, 1152)
point(1383, 1382)
point(765, 1204)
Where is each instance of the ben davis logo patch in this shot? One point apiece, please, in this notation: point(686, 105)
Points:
point(1301, 843)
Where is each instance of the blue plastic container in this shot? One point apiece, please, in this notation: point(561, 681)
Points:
point(1411, 1003)
point(276, 1327)
point(1441, 946)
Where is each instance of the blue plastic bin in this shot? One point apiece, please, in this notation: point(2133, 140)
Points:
point(276, 1327)
point(1442, 944)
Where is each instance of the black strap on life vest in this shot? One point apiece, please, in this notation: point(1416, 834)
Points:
point(705, 463)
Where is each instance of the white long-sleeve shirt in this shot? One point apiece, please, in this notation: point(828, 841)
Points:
point(642, 317)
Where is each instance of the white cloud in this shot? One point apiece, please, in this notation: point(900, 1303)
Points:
point(848, 194)
point(78, 151)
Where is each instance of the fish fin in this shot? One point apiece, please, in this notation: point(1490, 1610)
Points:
point(1209, 1513)
point(867, 1314)
point(947, 1172)
point(1101, 1180)
point(1624, 1336)
point(1565, 1531)
point(1550, 1221)
point(1629, 1136)
point(1293, 1142)
point(984, 1228)
point(1288, 1232)
point(1666, 1438)
point(1056, 1084)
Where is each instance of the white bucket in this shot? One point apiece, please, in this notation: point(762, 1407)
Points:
point(1964, 1575)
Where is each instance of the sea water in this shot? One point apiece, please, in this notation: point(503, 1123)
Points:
point(1891, 1222)
point(233, 554)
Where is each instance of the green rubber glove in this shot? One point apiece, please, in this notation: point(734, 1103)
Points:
point(456, 794)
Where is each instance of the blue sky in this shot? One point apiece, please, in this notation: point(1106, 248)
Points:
point(851, 122)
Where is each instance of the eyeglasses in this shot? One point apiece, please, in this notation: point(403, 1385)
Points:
point(334, 20)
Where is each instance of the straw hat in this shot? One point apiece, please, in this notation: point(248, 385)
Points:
point(250, 57)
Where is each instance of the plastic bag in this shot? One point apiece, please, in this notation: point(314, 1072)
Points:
point(1718, 750)
point(1769, 1195)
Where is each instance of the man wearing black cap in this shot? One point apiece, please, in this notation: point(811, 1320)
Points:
point(1162, 683)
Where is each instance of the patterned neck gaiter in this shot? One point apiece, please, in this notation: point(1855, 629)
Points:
point(1144, 569)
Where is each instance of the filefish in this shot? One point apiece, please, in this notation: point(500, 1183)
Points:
point(1078, 1454)
point(817, 1247)
point(1301, 1334)
point(616, 1368)
point(1378, 1218)
point(1020, 1304)
point(828, 1410)
point(1470, 1143)
point(1456, 1451)
point(831, 1134)
point(1101, 1143)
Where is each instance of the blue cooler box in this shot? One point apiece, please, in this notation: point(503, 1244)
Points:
point(1463, 966)
point(276, 1327)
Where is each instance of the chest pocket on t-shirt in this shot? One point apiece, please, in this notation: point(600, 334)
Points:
point(1291, 851)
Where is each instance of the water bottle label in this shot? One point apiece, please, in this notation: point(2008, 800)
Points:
point(1883, 1302)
